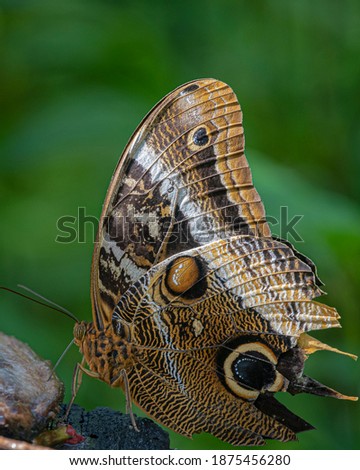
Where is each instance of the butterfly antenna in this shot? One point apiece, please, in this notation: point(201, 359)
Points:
point(61, 358)
point(48, 304)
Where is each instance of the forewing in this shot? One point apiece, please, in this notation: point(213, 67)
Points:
point(183, 181)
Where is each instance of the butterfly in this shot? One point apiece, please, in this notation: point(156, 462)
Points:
point(199, 313)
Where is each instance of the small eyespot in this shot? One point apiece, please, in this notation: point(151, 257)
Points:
point(200, 137)
point(182, 275)
point(189, 88)
point(185, 276)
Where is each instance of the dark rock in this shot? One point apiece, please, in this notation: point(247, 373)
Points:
point(104, 428)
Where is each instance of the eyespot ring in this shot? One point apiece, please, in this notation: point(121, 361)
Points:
point(199, 138)
point(186, 277)
point(250, 369)
point(184, 281)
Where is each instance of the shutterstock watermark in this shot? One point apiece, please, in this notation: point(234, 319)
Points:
point(148, 227)
point(72, 228)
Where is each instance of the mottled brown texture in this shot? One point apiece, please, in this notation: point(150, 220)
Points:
point(171, 192)
point(6, 443)
point(29, 398)
point(197, 309)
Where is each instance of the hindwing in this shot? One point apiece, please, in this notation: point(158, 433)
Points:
point(196, 314)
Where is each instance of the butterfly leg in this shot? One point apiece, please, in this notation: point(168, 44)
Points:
point(76, 382)
point(129, 410)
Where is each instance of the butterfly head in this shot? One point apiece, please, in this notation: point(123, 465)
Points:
point(80, 329)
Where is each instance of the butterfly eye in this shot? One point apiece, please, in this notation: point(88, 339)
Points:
point(249, 369)
point(186, 277)
point(79, 331)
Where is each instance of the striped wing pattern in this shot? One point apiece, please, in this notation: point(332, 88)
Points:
point(182, 181)
point(254, 287)
point(205, 312)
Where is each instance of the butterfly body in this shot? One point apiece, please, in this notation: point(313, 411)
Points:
point(107, 352)
point(198, 312)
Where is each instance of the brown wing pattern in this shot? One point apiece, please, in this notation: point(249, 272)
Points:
point(183, 181)
point(180, 391)
point(207, 313)
point(244, 284)
point(247, 299)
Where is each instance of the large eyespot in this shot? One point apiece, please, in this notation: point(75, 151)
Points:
point(186, 277)
point(249, 369)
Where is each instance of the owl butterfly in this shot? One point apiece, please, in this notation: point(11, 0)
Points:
point(198, 312)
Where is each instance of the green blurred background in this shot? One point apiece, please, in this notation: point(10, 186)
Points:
point(77, 76)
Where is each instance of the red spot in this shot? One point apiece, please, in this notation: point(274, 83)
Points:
point(75, 438)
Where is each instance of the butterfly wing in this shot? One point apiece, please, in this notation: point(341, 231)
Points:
point(218, 310)
point(216, 330)
point(182, 181)
point(259, 273)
